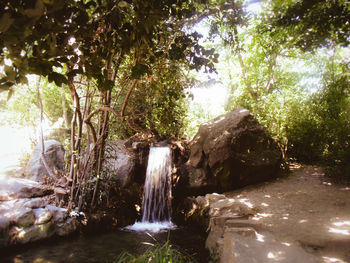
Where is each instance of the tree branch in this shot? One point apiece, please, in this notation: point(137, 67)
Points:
point(89, 124)
point(122, 112)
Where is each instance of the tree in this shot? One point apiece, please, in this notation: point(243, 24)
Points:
point(311, 23)
point(96, 48)
point(276, 81)
point(319, 130)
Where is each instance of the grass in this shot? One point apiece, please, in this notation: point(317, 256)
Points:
point(157, 254)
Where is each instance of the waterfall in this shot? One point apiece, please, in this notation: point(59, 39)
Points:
point(156, 211)
point(157, 189)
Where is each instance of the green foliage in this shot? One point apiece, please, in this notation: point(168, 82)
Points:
point(22, 108)
point(262, 78)
point(110, 44)
point(282, 86)
point(311, 23)
point(158, 104)
point(105, 41)
point(42, 36)
point(197, 114)
point(321, 129)
point(224, 16)
point(158, 254)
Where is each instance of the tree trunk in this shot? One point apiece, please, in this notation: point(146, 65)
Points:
point(75, 140)
point(42, 156)
point(64, 109)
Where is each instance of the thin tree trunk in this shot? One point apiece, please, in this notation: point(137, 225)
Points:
point(42, 156)
point(64, 108)
point(103, 135)
point(75, 140)
point(104, 121)
point(125, 103)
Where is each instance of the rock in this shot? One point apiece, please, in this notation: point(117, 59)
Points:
point(23, 235)
point(215, 209)
point(18, 213)
point(28, 220)
point(59, 214)
point(235, 237)
point(42, 216)
point(23, 217)
point(13, 188)
point(119, 163)
point(21, 203)
point(4, 231)
point(231, 151)
point(238, 245)
point(54, 153)
point(68, 227)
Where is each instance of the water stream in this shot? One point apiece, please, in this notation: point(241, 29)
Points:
point(104, 247)
point(156, 212)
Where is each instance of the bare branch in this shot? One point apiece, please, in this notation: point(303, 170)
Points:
point(122, 112)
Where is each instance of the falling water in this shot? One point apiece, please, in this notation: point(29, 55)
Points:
point(157, 190)
point(156, 213)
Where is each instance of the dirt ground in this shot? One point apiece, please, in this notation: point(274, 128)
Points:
point(305, 208)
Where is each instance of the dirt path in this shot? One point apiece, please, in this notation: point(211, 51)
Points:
point(305, 208)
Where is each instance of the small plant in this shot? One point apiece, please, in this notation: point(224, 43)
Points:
point(214, 258)
point(158, 254)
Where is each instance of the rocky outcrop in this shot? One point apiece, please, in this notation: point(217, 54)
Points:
point(25, 215)
point(119, 163)
point(54, 155)
point(235, 233)
point(231, 151)
point(31, 223)
point(13, 188)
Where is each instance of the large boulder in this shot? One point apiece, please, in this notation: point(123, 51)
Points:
point(54, 154)
point(231, 151)
point(119, 163)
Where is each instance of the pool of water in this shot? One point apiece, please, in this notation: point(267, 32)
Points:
point(105, 247)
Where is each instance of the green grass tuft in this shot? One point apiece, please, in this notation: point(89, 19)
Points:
point(158, 254)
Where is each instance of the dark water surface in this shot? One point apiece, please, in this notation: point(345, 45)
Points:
point(104, 247)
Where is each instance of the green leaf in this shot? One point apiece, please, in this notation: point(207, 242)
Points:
point(74, 72)
point(123, 4)
point(59, 79)
point(104, 85)
point(139, 70)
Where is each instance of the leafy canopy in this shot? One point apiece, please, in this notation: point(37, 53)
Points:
point(311, 23)
point(44, 37)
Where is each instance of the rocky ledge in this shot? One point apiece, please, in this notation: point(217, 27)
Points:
point(26, 215)
point(234, 232)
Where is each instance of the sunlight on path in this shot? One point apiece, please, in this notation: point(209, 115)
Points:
point(332, 260)
point(340, 227)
